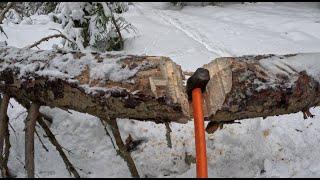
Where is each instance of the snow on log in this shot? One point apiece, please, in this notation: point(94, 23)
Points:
point(261, 86)
point(104, 85)
point(152, 88)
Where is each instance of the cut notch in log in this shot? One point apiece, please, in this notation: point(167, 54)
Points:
point(261, 86)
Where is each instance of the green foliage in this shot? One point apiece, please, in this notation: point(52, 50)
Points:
point(91, 25)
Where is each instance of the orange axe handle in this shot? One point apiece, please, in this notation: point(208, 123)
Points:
point(200, 140)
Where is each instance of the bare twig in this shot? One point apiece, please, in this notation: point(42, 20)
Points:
point(66, 37)
point(12, 128)
point(56, 30)
point(168, 136)
point(10, 104)
point(20, 114)
point(122, 149)
point(21, 162)
point(107, 133)
point(46, 39)
point(44, 147)
point(5, 10)
point(54, 141)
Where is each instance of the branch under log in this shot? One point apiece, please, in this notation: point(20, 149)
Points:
point(54, 141)
point(124, 153)
point(151, 88)
point(104, 85)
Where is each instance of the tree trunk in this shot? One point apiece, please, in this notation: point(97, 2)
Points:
point(33, 114)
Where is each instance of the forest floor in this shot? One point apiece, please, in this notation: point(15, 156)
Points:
point(282, 146)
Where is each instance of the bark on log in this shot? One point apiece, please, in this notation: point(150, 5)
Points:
point(151, 88)
point(261, 86)
point(33, 114)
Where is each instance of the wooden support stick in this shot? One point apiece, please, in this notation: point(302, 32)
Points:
point(33, 114)
point(123, 150)
point(54, 141)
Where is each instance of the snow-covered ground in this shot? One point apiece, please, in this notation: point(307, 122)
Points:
point(282, 146)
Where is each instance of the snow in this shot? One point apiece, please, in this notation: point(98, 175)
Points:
point(280, 146)
point(309, 63)
point(66, 66)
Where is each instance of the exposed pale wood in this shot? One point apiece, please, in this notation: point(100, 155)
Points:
point(157, 93)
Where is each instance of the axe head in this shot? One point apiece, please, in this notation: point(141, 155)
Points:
point(199, 79)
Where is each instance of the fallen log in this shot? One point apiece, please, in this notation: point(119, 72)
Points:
point(104, 85)
point(261, 86)
point(151, 88)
